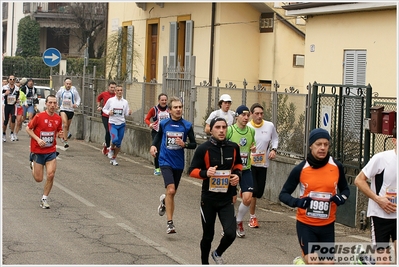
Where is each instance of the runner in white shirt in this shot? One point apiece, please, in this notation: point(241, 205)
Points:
point(266, 140)
point(381, 171)
point(68, 99)
point(117, 108)
point(224, 112)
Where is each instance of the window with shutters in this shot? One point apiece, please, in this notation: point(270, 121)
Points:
point(355, 67)
point(354, 74)
point(181, 42)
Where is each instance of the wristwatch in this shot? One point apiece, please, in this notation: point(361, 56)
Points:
point(274, 149)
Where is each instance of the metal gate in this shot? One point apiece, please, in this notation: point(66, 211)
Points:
point(180, 81)
point(342, 109)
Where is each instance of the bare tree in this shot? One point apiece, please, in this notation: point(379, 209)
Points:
point(91, 20)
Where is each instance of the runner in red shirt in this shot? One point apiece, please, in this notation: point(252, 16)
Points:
point(104, 96)
point(43, 130)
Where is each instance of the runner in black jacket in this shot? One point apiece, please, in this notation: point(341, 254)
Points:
point(218, 163)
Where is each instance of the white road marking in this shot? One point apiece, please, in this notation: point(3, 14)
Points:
point(106, 215)
point(153, 244)
point(81, 199)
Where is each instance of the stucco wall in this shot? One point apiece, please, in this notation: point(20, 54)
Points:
point(331, 35)
point(240, 50)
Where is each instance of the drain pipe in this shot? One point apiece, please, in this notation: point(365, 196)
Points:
point(363, 220)
point(212, 44)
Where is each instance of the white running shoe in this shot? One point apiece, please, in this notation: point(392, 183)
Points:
point(15, 137)
point(161, 207)
point(110, 153)
point(4, 138)
point(113, 162)
point(44, 204)
point(12, 138)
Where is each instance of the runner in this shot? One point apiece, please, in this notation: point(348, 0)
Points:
point(101, 101)
point(117, 108)
point(266, 140)
point(224, 112)
point(320, 177)
point(11, 96)
point(156, 114)
point(172, 139)
point(68, 99)
point(218, 163)
point(43, 130)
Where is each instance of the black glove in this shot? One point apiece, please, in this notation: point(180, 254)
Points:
point(303, 203)
point(338, 199)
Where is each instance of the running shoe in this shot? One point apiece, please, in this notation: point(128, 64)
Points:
point(16, 137)
point(157, 171)
point(298, 261)
point(240, 230)
point(44, 204)
point(218, 259)
point(253, 223)
point(113, 162)
point(170, 229)
point(110, 153)
point(4, 138)
point(69, 135)
point(66, 144)
point(161, 207)
point(12, 138)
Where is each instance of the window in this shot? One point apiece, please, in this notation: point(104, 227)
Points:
point(354, 74)
point(26, 7)
point(181, 43)
point(299, 61)
point(266, 22)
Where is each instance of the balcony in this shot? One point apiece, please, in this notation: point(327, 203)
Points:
point(62, 15)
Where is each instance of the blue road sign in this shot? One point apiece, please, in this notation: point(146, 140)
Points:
point(51, 57)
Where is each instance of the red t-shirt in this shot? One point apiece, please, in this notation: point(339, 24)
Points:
point(104, 96)
point(46, 128)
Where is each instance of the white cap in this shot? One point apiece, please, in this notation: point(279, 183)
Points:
point(225, 97)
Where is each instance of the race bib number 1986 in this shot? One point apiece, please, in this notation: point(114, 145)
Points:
point(319, 205)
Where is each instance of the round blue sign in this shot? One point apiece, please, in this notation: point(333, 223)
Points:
point(51, 57)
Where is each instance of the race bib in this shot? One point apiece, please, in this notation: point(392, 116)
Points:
point(391, 193)
point(67, 103)
point(220, 181)
point(171, 140)
point(244, 158)
point(319, 205)
point(29, 101)
point(258, 159)
point(11, 99)
point(47, 137)
point(118, 112)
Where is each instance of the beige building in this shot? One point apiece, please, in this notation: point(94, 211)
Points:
point(231, 41)
point(350, 43)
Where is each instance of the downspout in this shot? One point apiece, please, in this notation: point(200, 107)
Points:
point(212, 44)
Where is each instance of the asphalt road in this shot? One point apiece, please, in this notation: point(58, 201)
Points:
point(102, 214)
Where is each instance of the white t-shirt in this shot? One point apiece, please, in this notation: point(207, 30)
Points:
point(120, 108)
point(263, 136)
point(228, 116)
point(382, 162)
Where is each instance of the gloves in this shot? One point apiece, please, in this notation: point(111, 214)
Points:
point(338, 199)
point(303, 203)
